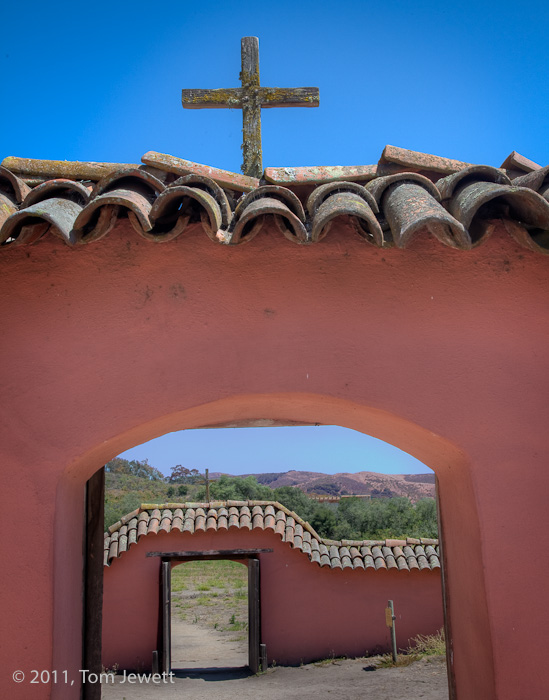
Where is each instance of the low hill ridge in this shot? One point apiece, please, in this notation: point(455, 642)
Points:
point(412, 486)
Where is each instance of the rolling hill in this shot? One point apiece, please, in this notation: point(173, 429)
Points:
point(412, 486)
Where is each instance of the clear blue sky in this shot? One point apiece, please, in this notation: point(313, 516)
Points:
point(328, 449)
point(101, 81)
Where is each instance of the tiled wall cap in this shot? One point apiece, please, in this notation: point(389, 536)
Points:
point(402, 186)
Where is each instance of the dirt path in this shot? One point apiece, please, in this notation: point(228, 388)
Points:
point(195, 646)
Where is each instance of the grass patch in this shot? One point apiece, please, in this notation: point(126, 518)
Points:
point(209, 592)
point(208, 575)
point(420, 647)
point(430, 644)
point(386, 661)
point(330, 660)
point(236, 625)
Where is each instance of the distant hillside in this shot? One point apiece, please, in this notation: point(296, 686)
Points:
point(413, 486)
point(130, 483)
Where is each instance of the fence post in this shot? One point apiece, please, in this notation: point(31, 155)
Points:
point(390, 622)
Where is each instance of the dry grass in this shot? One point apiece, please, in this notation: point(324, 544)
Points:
point(212, 594)
point(420, 647)
point(430, 644)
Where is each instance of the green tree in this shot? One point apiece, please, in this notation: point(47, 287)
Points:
point(294, 499)
point(324, 520)
point(115, 509)
point(381, 518)
point(236, 488)
point(181, 475)
point(426, 517)
point(182, 490)
point(135, 467)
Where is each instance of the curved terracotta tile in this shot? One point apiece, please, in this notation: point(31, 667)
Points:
point(479, 202)
point(12, 186)
point(59, 214)
point(206, 184)
point(99, 217)
point(133, 179)
point(409, 208)
point(7, 208)
point(474, 173)
point(349, 204)
point(177, 206)
point(59, 188)
point(283, 194)
point(322, 193)
point(252, 210)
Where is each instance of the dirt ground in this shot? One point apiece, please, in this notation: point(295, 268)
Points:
point(339, 680)
point(348, 679)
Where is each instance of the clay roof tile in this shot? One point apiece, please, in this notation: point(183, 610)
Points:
point(344, 554)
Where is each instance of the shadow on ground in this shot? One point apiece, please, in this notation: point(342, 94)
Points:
point(214, 673)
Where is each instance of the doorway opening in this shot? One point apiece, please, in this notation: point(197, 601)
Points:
point(209, 616)
point(187, 650)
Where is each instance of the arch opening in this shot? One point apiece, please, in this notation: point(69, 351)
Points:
point(447, 461)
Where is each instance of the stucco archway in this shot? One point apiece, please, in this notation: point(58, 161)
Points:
point(470, 644)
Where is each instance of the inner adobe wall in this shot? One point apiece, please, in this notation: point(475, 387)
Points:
point(307, 612)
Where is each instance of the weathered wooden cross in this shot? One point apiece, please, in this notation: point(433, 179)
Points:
point(250, 98)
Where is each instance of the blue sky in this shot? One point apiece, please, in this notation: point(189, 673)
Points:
point(102, 81)
point(329, 449)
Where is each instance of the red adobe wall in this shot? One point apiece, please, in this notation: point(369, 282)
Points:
point(438, 351)
point(307, 612)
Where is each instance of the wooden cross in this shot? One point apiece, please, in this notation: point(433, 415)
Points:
point(207, 483)
point(250, 98)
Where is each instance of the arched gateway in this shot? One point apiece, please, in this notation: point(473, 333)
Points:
point(418, 339)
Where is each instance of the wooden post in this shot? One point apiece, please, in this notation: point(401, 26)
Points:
point(166, 578)
point(207, 485)
point(390, 622)
point(254, 618)
point(447, 619)
point(93, 582)
point(263, 657)
point(251, 108)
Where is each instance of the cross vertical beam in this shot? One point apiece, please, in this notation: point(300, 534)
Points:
point(251, 107)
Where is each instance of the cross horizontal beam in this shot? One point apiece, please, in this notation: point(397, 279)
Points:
point(234, 97)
